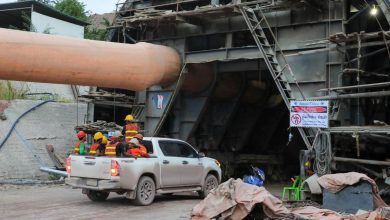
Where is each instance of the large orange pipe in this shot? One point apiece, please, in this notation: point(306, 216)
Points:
point(33, 57)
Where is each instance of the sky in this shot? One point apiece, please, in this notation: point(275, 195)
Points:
point(95, 6)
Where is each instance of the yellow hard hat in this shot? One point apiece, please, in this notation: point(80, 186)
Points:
point(105, 140)
point(98, 136)
point(129, 118)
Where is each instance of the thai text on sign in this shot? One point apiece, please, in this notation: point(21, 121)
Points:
point(313, 114)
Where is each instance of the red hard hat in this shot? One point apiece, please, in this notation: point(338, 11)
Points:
point(81, 134)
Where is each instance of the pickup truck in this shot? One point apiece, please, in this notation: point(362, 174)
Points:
point(173, 166)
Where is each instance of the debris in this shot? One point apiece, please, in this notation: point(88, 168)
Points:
point(42, 138)
point(350, 199)
point(97, 126)
point(235, 199)
point(336, 182)
point(57, 160)
point(3, 117)
point(108, 96)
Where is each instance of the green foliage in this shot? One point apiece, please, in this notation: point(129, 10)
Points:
point(73, 8)
point(98, 34)
point(8, 92)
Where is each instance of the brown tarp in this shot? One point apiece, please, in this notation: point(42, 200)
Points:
point(235, 199)
point(336, 182)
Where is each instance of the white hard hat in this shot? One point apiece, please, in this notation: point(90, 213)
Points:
point(134, 141)
point(117, 134)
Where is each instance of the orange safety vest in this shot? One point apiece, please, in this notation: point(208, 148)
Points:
point(130, 131)
point(94, 148)
point(77, 148)
point(139, 152)
point(111, 149)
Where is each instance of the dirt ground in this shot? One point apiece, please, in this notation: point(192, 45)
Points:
point(63, 202)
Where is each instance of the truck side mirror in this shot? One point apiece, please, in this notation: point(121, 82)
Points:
point(201, 155)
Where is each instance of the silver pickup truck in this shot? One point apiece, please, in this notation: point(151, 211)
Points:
point(173, 166)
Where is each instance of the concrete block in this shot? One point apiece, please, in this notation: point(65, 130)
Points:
point(351, 199)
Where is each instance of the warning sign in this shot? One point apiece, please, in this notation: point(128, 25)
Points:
point(313, 114)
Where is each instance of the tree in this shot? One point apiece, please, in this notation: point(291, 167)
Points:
point(96, 33)
point(73, 8)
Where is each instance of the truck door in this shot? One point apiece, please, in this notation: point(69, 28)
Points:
point(170, 164)
point(192, 167)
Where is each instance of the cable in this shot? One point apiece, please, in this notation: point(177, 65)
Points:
point(21, 116)
point(323, 152)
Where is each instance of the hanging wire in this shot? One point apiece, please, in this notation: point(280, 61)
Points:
point(323, 153)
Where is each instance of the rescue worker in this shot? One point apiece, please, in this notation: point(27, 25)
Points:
point(130, 129)
point(143, 149)
point(95, 149)
point(136, 150)
point(102, 146)
point(115, 148)
point(79, 148)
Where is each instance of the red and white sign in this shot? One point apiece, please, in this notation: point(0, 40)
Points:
point(312, 114)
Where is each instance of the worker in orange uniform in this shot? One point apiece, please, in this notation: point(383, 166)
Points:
point(136, 149)
point(130, 129)
point(115, 148)
point(143, 149)
point(96, 148)
point(79, 148)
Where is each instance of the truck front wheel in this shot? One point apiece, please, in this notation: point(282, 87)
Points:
point(97, 196)
point(146, 191)
point(210, 183)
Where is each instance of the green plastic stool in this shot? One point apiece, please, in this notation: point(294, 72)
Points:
point(293, 192)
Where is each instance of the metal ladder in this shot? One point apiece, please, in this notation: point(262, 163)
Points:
point(279, 73)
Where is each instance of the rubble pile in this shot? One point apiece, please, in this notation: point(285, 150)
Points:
point(102, 95)
point(97, 126)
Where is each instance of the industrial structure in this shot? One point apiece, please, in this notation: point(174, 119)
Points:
point(243, 61)
point(240, 63)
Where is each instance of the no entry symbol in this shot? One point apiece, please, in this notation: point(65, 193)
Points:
point(296, 119)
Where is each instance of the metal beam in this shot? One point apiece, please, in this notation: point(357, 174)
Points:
point(385, 9)
point(360, 130)
point(352, 96)
point(362, 161)
point(372, 85)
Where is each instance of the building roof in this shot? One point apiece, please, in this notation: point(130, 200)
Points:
point(43, 9)
point(97, 19)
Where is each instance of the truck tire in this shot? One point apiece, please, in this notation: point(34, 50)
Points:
point(211, 182)
point(97, 196)
point(145, 192)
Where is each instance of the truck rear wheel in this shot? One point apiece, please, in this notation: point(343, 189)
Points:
point(146, 191)
point(211, 182)
point(97, 196)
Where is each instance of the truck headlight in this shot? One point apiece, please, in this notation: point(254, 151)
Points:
point(218, 163)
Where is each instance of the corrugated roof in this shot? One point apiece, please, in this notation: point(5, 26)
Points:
point(43, 9)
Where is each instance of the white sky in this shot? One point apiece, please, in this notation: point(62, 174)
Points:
point(95, 6)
